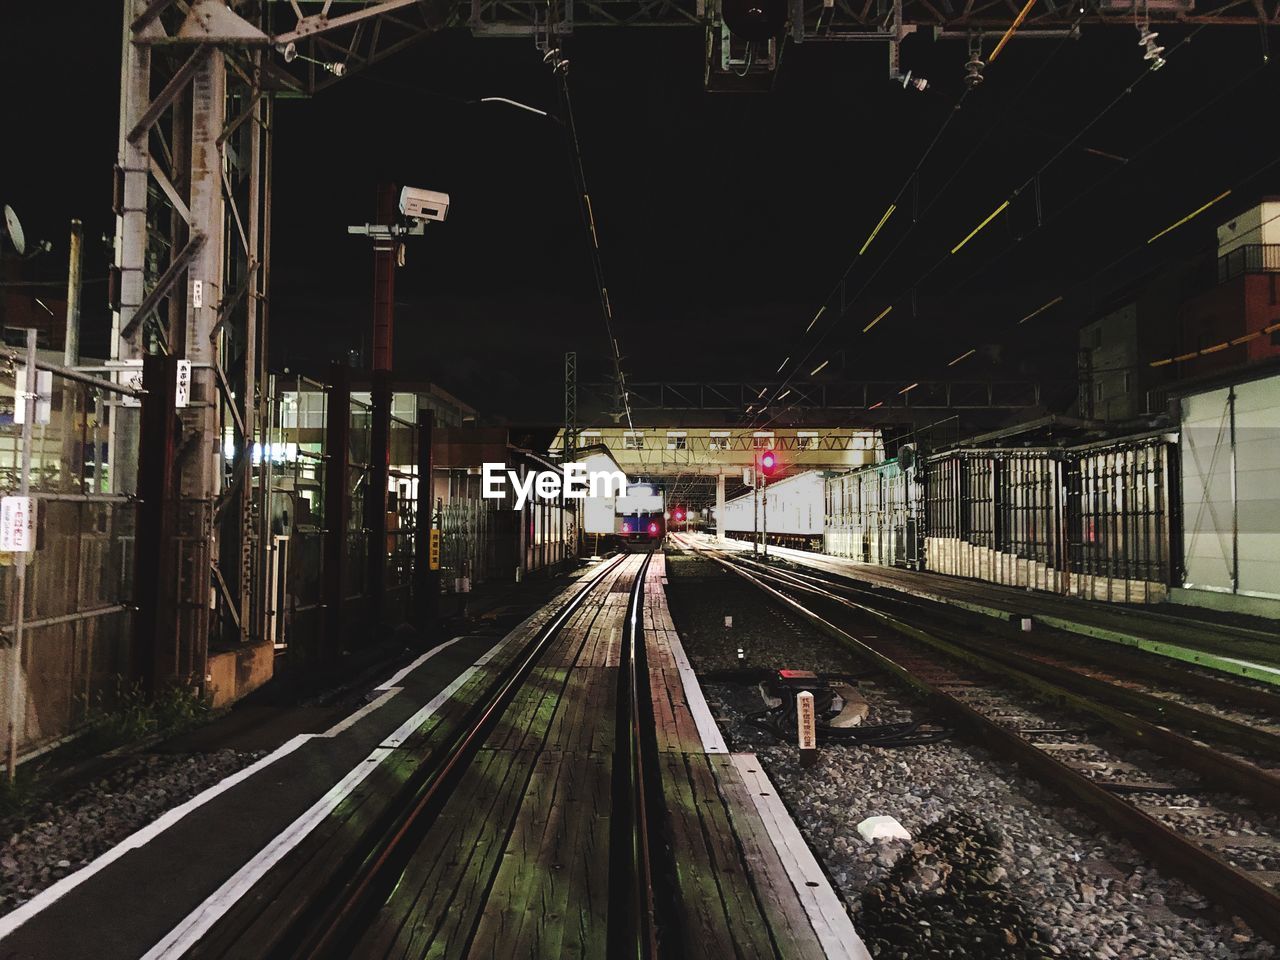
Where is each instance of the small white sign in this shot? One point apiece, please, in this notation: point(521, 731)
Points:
point(197, 293)
point(182, 393)
point(17, 524)
point(806, 726)
point(44, 395)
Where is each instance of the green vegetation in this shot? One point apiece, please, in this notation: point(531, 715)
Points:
point(132, 716)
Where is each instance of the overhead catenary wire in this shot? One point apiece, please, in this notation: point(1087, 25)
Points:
point(916, 218)
point(560, 71)
point(1033, 178)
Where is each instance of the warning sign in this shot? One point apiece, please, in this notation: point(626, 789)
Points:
point(182, 390)
point(17, 524)
point(433, 550)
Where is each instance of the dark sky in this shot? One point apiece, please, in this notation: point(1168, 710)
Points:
point(725, 220)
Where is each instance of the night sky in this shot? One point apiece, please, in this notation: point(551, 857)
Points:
point(725, 220)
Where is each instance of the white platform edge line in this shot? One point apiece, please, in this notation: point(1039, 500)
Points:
point(148, 832)
point(140, 837)
point(403, 672)
point(708, 729)
point(826, 912)
point(198, 922)
point(182, 937)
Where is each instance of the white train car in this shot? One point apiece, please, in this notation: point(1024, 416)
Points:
point(793, 514)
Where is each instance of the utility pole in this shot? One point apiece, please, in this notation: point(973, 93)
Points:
point(71, 343)
point(755, 509)
point(764, 511)
point(72, 476)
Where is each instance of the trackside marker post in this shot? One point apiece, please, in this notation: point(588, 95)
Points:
point(806, 729)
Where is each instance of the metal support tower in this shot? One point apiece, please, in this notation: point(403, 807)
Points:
point(189, 283)
point(570, 406)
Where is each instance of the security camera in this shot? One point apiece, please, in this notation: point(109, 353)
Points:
point(419, 204)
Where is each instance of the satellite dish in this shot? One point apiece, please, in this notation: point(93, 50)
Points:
point(13, 230)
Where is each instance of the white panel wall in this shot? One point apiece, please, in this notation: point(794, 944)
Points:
point(1257, 432)
point(1230, 489)
point(1207, 508)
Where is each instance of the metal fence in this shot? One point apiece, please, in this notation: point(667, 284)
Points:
point(873, 515)
point(73, 628)
point(1093, 520)
point(1249, 258)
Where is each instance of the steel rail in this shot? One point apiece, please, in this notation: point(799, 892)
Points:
point(1149, 706)
point(1152, 667)
point(1210, 874)
point(633, 901)
point(1258, 784)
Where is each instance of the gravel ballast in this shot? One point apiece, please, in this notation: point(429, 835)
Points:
point(59, 837)
point(996, 867)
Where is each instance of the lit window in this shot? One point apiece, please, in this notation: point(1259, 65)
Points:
point(677, 441)
point(762, 441)
point(807, 440)
point(633, 441)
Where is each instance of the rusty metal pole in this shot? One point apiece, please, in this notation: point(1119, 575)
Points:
point(337, 509)
point(154, 653)
point(375, 503)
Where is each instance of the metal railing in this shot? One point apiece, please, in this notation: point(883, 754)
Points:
point(1249, 258)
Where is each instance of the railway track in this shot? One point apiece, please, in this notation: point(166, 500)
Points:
point(352, 906)
point(1226, 848)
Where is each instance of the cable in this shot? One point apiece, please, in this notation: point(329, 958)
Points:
point(916, 218)
point(560, 68)
point(946, 122)
point(1033, 178)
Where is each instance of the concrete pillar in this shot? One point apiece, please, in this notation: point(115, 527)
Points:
point(720, 506)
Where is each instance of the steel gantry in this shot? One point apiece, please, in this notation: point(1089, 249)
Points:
point(333, 37)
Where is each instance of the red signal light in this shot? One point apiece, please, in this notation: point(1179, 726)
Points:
point(653, 528)
point(768, 463)
point(679, 514)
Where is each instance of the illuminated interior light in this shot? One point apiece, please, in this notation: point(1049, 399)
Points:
point(991, 216)
point(1039, 310)
point(908, 389)
point(815, 370)
point(1215, 348)
point(883, 313)
point(883, 220)
point(963, 356)
point(821, 311)
point(1162, 363)
point(1194, 213)
point(878, 403)
point(785, 394)
point(749, 409)
point(1187, 356)
point(782, 364)
point(1017, 22)
point(761, 393)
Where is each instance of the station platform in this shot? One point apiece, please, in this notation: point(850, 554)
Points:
point(517, 862)
point(1230, 643)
